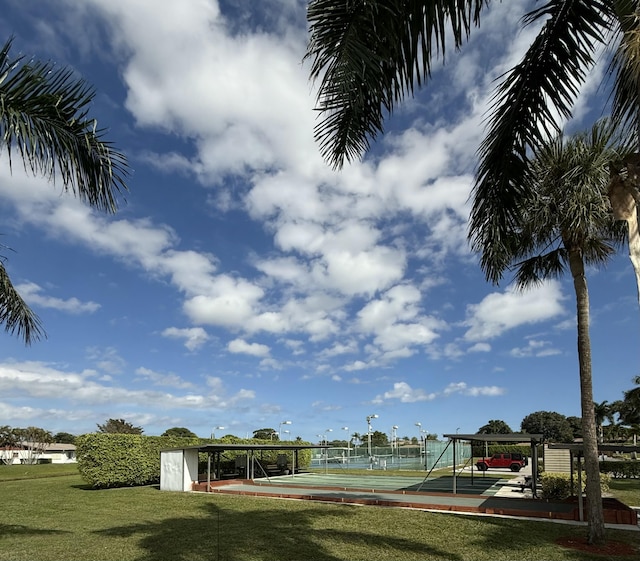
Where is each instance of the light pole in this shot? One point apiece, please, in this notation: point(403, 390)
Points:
point(369, 417)
point(394, 439)
point(280, 427)
point(348, 443)
point(213, 431)
point(419, 425)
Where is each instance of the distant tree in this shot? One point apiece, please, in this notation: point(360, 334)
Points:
point(356, 438)
point(64, 438)
point(576, 426)
point(34, 442)
point(119, 426)
point(602, 411)
point(179, 432)
point(7, 436)
point(379, 438)
point(266, 434)
point(629, 407)
point(8, 440)
point(414, 440)
point(495, 426)
point(553, 426)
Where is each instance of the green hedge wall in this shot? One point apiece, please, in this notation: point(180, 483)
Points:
point(621, 469)
point(478, 449)
point(124, 460)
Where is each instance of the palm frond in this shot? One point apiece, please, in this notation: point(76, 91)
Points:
point(369, 55)
point(15, 314)
point(524, 108)
point(539, 268)
point(625, 64)
point(44, 116)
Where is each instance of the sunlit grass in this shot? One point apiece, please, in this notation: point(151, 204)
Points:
point(60, 518)
point(25, 471)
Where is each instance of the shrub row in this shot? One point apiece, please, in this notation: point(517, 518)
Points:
point(499, 448)
point(120, 460)
point(622, 469)
point(558, 485)
point(123, 460)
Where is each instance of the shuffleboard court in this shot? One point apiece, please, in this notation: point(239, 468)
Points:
point(373, 483)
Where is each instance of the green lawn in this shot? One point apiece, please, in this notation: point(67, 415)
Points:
point(55, 518)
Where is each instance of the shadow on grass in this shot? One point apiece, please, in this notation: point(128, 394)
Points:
point(7, 530)
point(266, 534)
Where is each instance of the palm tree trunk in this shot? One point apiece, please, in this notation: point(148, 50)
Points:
point(595, 514)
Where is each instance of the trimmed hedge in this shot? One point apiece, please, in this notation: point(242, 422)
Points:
point(125, 460)
point(499, 448)
point(621, 469)
point(558, 485)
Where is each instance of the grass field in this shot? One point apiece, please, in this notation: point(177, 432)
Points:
point(59, 518)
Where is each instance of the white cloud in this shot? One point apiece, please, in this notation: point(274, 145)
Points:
point(240, 346)
point(159, 379)
point(535, 348)
point(39, 380)
point(108, 360)
point(473, 391)
point(32, 294)
point(194, 337)
point(404, 393)
point(479, 348)
point(500, 312)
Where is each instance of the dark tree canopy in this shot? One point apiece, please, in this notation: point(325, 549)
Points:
point(8, 437)
point(379, 438)
point(576, 426)
point(266, 434)
point(119, 426)
point(495, 426)
point(628, 409)
point(64, 438)
point(179, 432)
point(553, 426)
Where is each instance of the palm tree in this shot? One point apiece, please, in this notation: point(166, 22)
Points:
point(368, 56)
point(629, 407)
point(602, 411)
point(565, 223)
point(44, 118)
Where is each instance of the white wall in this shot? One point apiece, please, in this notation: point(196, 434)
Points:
point(178, 469)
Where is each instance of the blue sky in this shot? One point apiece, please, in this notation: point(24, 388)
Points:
point(243, 282)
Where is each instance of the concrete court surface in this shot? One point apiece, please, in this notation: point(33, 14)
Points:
point(489, 496)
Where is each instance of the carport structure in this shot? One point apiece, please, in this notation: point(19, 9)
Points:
point(533, 439)
point(576, 451)
point(179, 466)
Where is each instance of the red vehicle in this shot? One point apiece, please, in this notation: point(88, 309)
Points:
point(515, 462)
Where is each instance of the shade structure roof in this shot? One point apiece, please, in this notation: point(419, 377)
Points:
point(247, 447)
point(511, 437)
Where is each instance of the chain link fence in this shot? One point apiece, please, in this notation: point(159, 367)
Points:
point(435, 454)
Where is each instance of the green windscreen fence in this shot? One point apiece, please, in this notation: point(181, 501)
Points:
point(435, 454)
